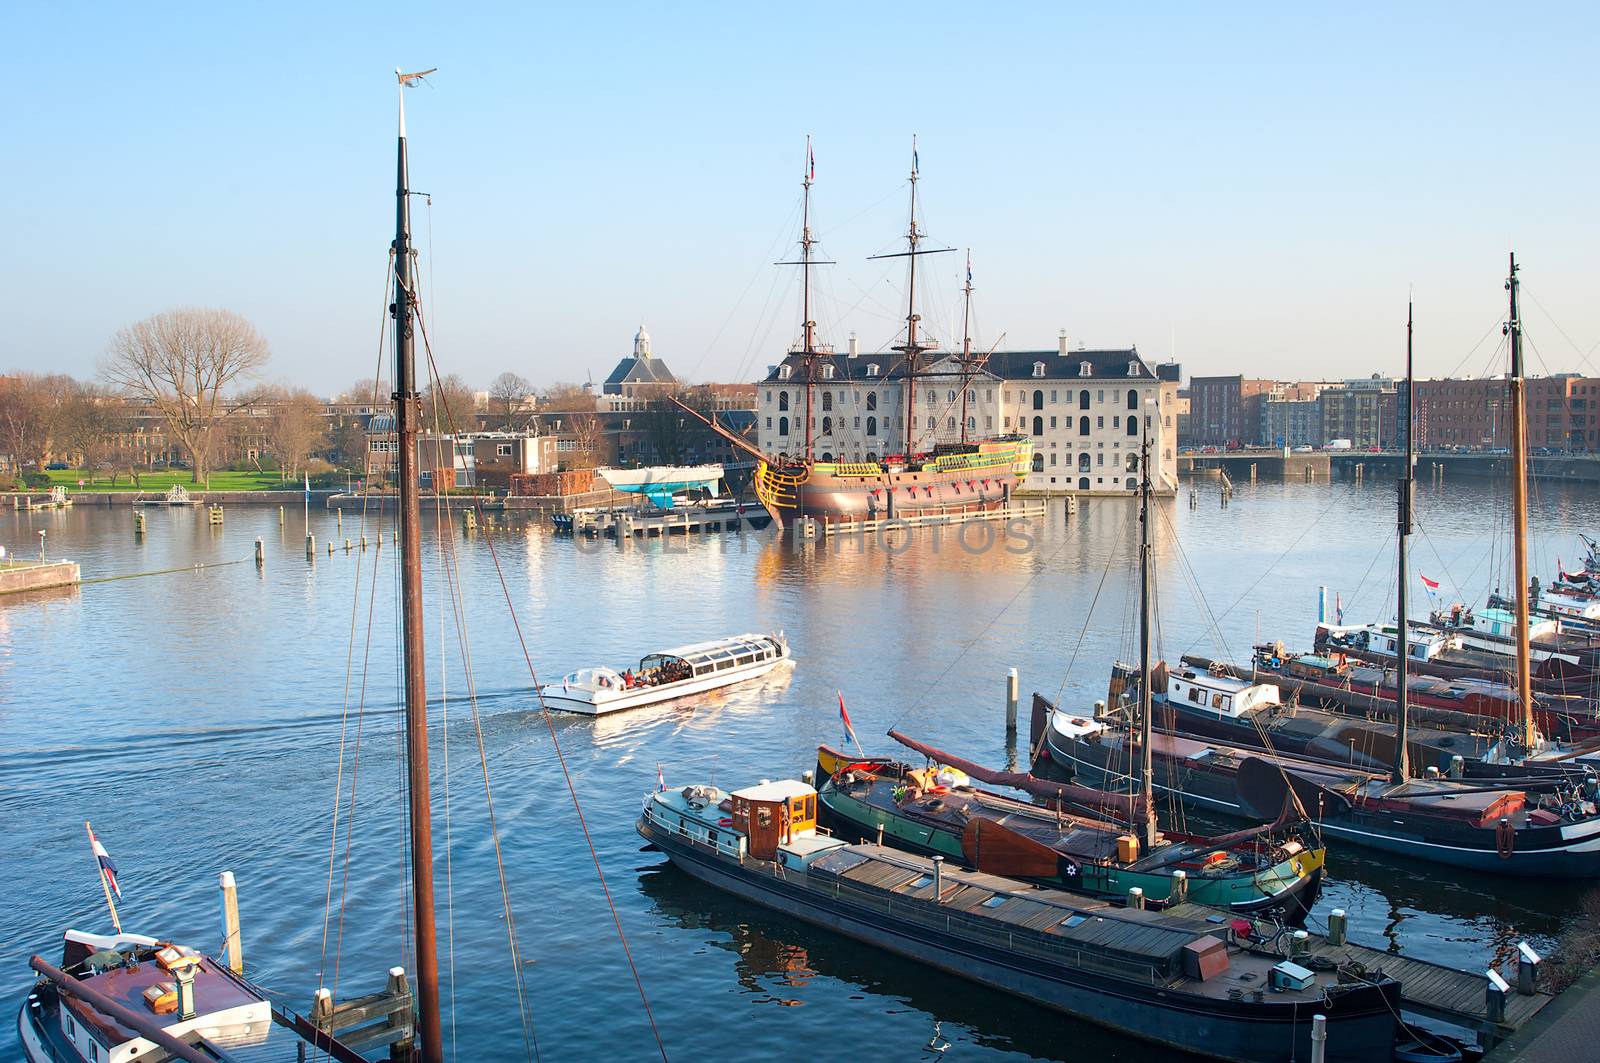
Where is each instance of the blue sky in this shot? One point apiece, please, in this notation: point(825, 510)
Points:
point(1259, 185)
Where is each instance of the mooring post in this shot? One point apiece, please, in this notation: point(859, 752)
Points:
point(232, 943)
point(1319, 1039)
point(1527, 969)
point(1135, 897)
point(1336, 926)
point(1011, 704)
point(322, 1009)
point(1180, 887)
point(261, 553)
point(401, 1019)
point(1494, 994)
point(280, 516)
point(311, 547)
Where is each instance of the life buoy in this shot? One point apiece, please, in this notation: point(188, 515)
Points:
point(725, 821)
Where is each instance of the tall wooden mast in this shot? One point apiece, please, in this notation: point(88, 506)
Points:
point(808, 327)
point(1146, 760)
point(1519, 509)
point(914, 346)
point(966, 343)
point(407, 410)
point(1402, 765)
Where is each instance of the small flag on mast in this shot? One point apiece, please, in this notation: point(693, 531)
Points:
point(811, 162)
point(107, 868)
point(844, 719)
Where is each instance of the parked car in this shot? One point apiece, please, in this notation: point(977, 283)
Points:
point(56, 466)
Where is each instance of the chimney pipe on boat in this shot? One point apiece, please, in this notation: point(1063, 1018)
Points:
point(938, 880)
point(1322, 605)
point(1319, 1039)
point(184, 974)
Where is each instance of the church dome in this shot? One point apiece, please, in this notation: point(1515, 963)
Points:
point(641, 343)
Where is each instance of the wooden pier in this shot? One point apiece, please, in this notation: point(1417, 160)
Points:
point(811, 528)
point(1462, 998)
point(629, 523)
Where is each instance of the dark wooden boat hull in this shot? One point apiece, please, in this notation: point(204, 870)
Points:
point(1361, 1023)
point(1211, 783)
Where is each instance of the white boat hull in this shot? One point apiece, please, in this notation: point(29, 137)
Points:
point(600, 703)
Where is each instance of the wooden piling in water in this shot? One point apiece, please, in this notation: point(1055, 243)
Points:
point(232, 942)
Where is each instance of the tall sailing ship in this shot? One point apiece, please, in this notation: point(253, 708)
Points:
point(922, 471)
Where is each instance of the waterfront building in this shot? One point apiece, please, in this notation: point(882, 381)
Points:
point(1083, 409)
point(1217, 414)
point(1362, 411)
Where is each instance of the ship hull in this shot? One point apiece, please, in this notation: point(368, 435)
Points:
point(1210, 782)
point(1225, 1029)
point(957, 484)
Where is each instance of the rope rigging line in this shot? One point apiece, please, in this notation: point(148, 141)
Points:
point(344, 710)
point(549, 722)
point(450, 567)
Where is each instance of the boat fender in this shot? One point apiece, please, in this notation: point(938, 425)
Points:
point(1505, 839)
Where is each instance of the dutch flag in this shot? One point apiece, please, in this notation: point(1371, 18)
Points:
point(107, 868)
point(844, 720)
point(1431, 584)
point(661, 780)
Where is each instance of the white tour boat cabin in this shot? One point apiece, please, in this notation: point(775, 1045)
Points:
point(668, 674)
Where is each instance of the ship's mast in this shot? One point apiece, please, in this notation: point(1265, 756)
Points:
point(808, 327)
point(1519, 509)
point(966, 343)
point(1146, 760)
point(1402, 764)
point(407, 410)
point(913, 347)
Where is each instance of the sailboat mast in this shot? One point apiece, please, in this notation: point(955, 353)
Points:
point(1519, 509)
point(1146, 760)
point(913, 238)
point(808, 326)
point(966, 343)
point(407, 410)
point(1402, 763)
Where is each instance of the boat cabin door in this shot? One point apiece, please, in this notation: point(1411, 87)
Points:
point(764, 823)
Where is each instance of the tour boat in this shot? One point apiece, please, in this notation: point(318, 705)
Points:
point(937, 812)
point(668, 674)
point(1181, 977)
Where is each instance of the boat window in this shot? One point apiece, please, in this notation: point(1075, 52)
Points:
point(996, 901)
point(1217, 701)
point(921, 883)
point(748, 658)
point(1196, 696)
point(711, 836)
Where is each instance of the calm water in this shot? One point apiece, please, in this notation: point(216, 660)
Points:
point(196, 718)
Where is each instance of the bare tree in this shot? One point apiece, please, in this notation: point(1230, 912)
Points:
point(25, 416)
point(567, 398)
point(449, 406)
point(298, 430)
point(183, 361)
point(85, 426)
point(373, 390)
point(508, 393)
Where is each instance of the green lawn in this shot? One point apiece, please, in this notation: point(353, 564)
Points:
point(157, 482)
